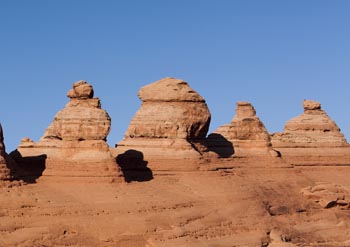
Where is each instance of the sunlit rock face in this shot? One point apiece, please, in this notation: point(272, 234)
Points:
point(313, 128)
point(74, 145)
point(172, 121)
point(4, 170)
point(81, 119)
point(312, 138)
point(246, 135)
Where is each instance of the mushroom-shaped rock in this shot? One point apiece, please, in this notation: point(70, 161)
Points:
point(170, 109)
point(81, 119)
point(313, 128)
point(172, 120)
point(74, 145)
point(246, 134)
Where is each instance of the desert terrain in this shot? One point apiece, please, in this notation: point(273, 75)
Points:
point(170, 183)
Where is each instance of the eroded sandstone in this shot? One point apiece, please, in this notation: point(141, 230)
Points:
point(5, 173)
point(74, 145)
point(312, 138)
point(169, 126)
point(246, 135)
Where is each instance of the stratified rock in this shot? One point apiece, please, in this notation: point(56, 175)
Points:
point(81, 119)
point(172, 120)
point(4, 170)
point(245, 135)
point(74, 145)
point(312, 138)
point(313, 128)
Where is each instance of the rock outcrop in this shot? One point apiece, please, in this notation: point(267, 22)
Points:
point(170, 125)
point(74, 145)
point(312, 138)
point(313, 128)
point(5, 173)
point(246, 135)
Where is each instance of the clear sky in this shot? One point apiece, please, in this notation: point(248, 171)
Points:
point(271, 53)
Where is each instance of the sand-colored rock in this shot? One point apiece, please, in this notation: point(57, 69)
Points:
point(246, 135)
point(328, 195)
point(312, 138)
point(224, 203)
point(81, 119)
point(172, 120)
point(74, 145)
point(82, 90)
point(5, 173)
point(313, 128)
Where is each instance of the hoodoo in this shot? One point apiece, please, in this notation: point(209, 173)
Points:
point(169, 127)
point(74, 145)
point(313, 128)
point(312, 138)
point(4, 170)
point(246, 135)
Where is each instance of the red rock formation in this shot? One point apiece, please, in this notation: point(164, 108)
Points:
point(312, 138)
point(74, 145)
point(246, 134)
point(313, 128)
point(173, 118)
point(4, 170)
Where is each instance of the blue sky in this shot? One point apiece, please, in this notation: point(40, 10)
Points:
point(271, 53)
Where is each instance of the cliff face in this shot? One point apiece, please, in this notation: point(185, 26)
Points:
point(74, 145)
point(172, 121)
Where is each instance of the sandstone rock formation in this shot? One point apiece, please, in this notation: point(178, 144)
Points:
point(312, 138)
point(246, 135)
point(328, 195)
point(5, 173)
point(170, 125)
point(313, 128)
point(74, 145)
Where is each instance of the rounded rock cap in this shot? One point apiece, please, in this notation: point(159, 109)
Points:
point(169, 90)
point(311, 105)
point(81, 89)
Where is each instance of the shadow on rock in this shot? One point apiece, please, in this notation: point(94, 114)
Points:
point(220, 145)
point(29, 168)
point(134, 167)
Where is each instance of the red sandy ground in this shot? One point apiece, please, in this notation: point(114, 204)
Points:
point(226, 208)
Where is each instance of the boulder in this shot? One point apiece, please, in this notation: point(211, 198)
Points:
point(170, 125)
